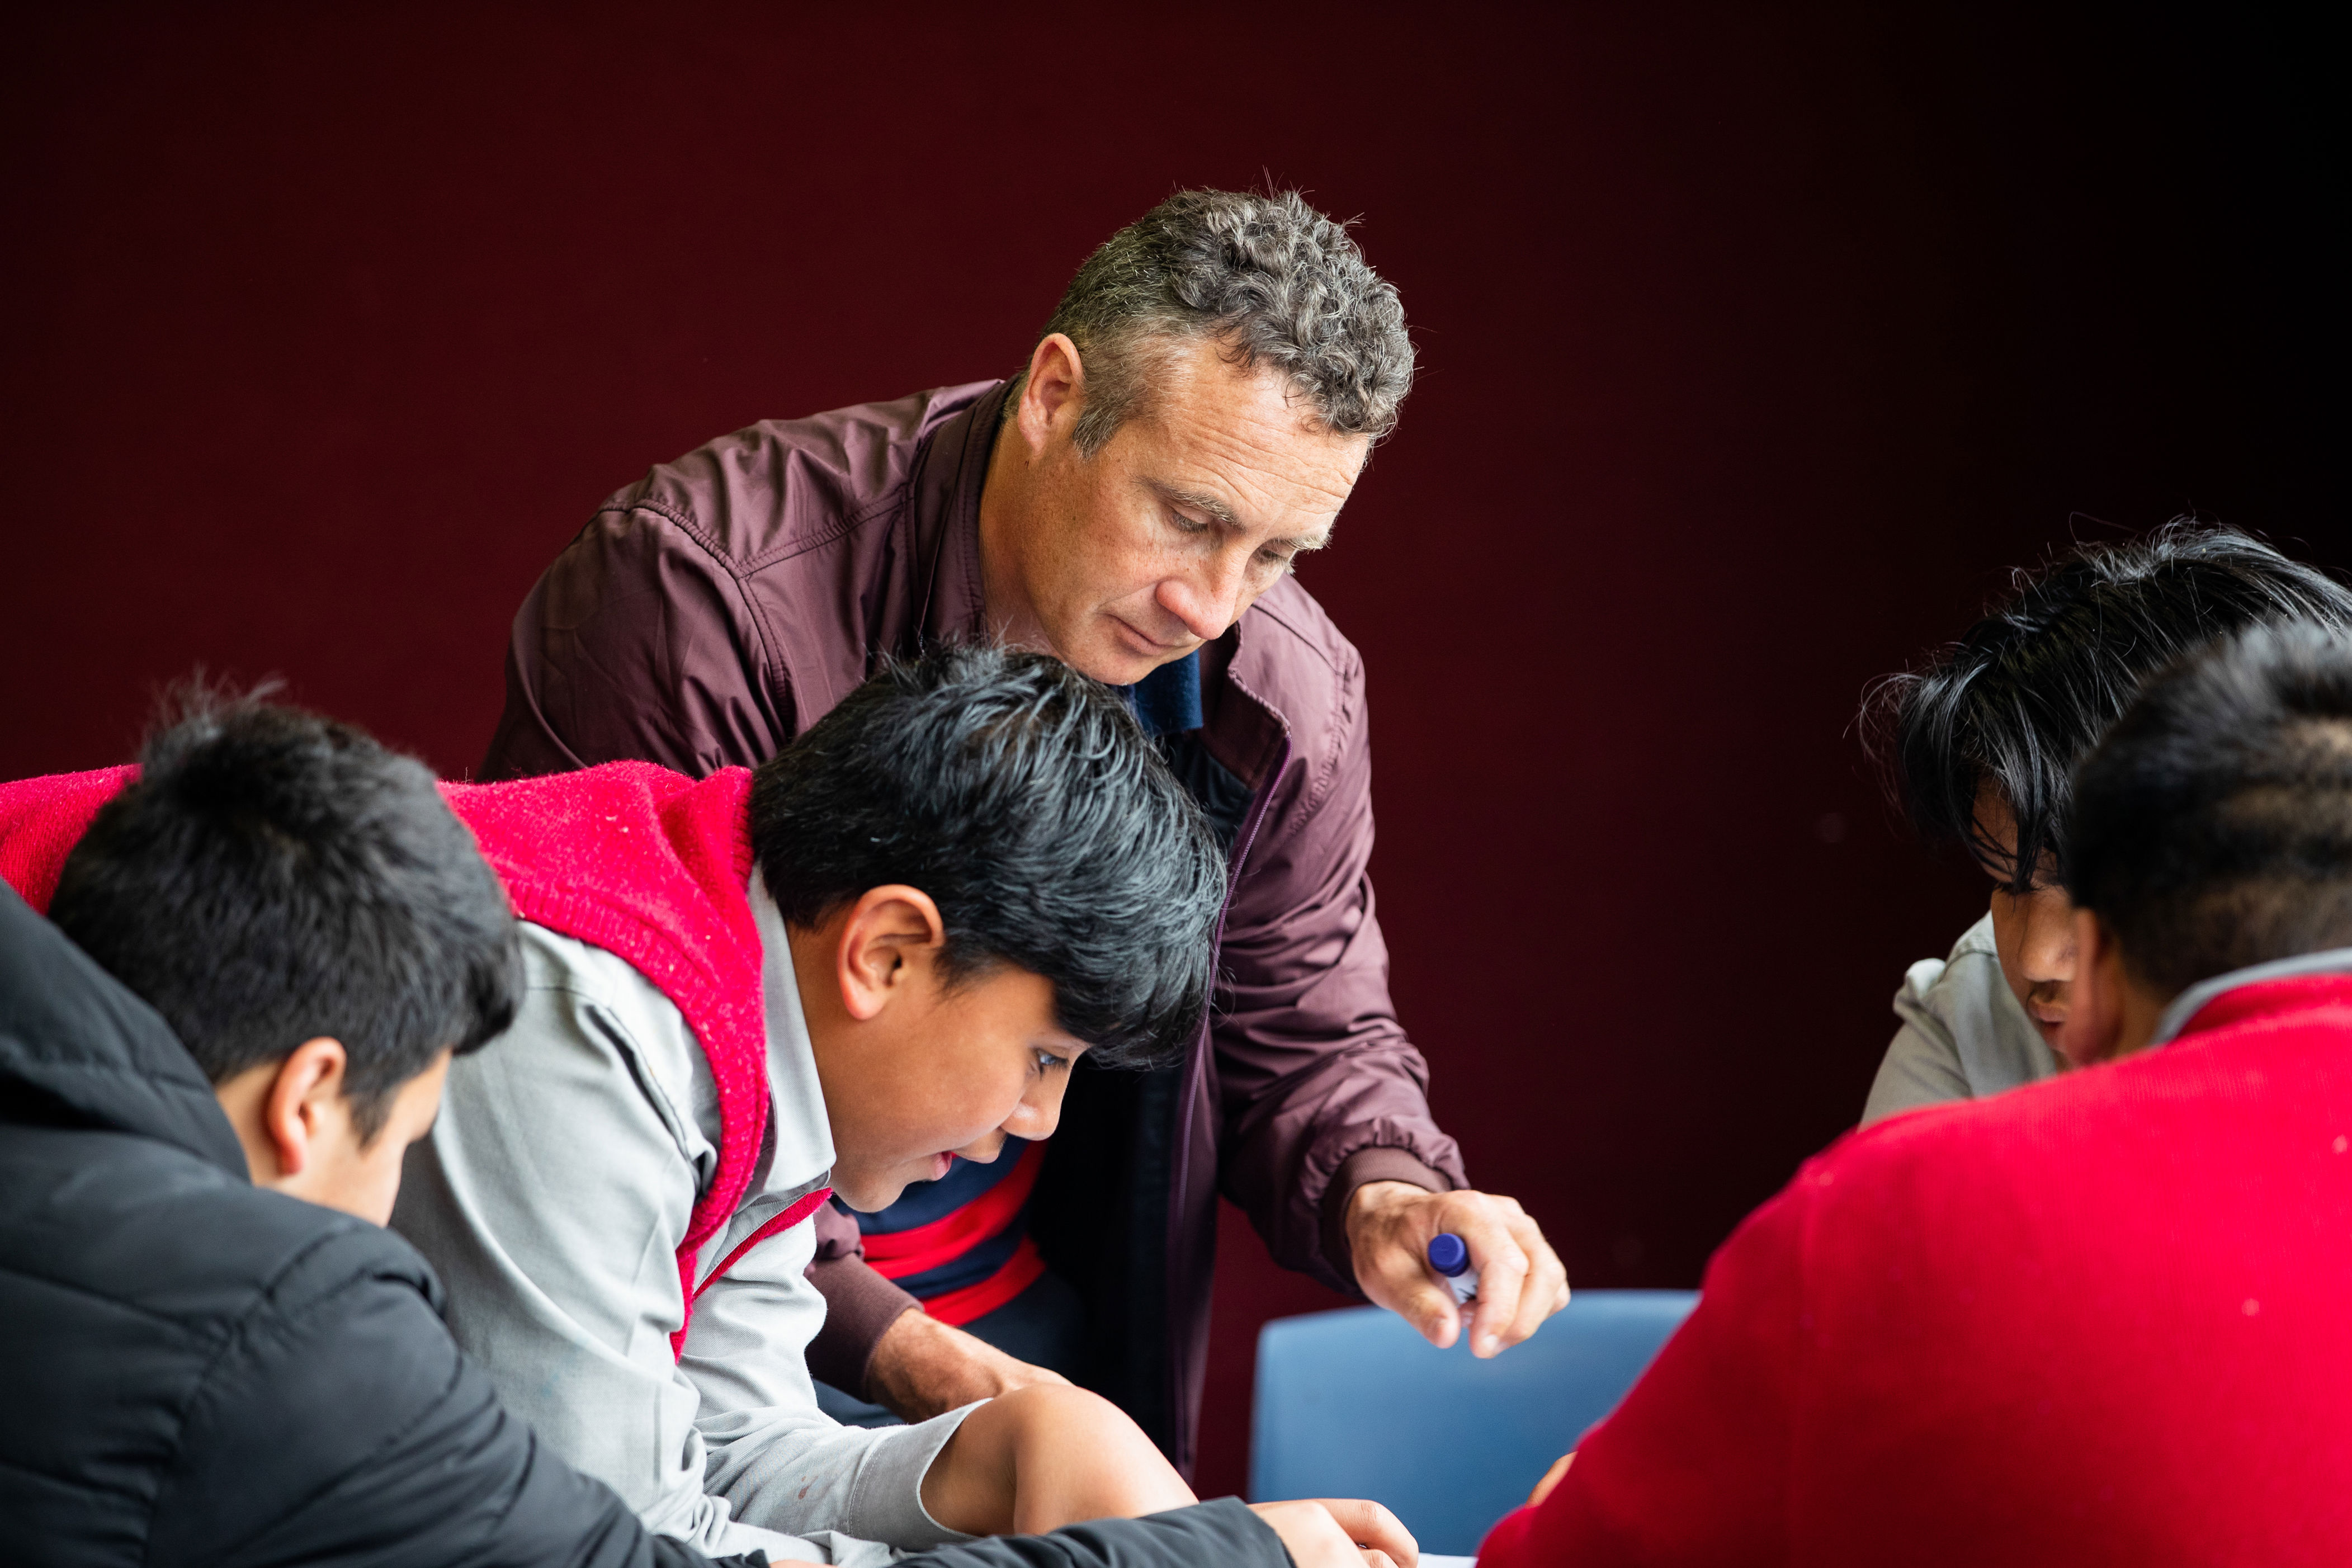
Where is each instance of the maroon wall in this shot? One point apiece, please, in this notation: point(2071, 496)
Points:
point(1754, 351)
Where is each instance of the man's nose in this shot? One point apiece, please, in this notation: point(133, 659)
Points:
point(1208, 600)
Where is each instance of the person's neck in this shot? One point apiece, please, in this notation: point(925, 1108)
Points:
point(1005, 498)
point(2142, 1009)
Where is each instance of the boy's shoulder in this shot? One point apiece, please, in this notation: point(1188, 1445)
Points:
point(218, 1312)
point(183, 1245)
point(2094, 1149)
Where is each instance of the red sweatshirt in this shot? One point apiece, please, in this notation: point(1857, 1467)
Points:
point(2103, 1318)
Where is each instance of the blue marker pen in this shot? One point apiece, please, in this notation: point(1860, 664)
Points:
point(1450, 1255)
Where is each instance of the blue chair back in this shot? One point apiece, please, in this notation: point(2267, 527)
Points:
point(1356, 1403)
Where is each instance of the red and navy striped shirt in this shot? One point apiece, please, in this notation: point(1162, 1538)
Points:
point(960, 1245)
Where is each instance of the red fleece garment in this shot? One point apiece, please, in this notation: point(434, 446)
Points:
point(2103, 1318)
point(42, 819)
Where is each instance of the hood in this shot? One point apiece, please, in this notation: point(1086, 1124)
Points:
point(79, 1050)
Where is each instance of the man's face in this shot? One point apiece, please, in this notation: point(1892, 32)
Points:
point(2033, 931)
point(1133, 558)
point(938, 1073)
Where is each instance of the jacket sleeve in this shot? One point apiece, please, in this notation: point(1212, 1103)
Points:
point(351, 1428)
point(637, 644)
point(1695, 1466)
point(860, 1305)
point(1223, 1532)
point(1320, 1091)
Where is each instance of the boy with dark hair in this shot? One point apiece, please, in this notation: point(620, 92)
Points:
point(1983, 744)
point(2097, 1320)
point(197, 1370)
point(200, 1371)
point(880, 953)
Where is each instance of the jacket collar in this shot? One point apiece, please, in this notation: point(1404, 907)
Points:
point(800, 1145)
point(1242, 730)
point(945, 515)
point(78, 1048)
point(2226, 999)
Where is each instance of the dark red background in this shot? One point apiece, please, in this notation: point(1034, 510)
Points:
point(1755, 349)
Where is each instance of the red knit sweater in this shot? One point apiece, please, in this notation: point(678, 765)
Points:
point(2104, 1319)
point(645, 863)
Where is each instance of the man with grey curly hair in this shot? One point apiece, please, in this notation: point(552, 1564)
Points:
point(1133, 500)
point(1272, 280)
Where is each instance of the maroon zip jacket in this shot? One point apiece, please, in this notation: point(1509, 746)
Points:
point(715, 609)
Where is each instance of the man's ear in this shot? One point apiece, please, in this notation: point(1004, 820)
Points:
point(891, 934)
point(2095, 999)
point(1052, 396)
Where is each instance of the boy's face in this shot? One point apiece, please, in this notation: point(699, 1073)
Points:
point(302, 1139)
point(365, 1178)
point(914, 1071)
point(2033, 931)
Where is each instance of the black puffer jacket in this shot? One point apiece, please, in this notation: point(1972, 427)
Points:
point(197, 1370)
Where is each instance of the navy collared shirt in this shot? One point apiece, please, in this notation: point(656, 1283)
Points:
point(1168, 701)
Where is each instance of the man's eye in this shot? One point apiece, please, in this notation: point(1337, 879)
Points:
point(1186, 524)
point(1274, 560)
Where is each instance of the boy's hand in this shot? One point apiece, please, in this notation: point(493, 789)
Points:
point(1340, 1533)
point(1520, 1278)
point(1550, 1479)
point(1044, 1457)
point(922, 1368)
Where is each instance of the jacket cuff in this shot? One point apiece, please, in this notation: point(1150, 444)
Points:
point(1363, 1166)
point(859, 1307)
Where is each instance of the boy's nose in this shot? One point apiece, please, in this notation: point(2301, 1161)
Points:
point(1037, 1114)
point(2048, 951)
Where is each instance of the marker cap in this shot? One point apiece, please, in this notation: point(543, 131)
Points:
point(1448, 1254)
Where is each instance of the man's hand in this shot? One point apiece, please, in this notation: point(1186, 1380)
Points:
point(1520, 1278)
point(1339, 1532)
point(923, 1368)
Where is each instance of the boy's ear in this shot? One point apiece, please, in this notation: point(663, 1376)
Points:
point(306, 1102)
point(890, 935)
point(283, 1111)
point(2096, 998)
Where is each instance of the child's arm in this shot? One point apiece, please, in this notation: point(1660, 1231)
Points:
point(1044, 1457)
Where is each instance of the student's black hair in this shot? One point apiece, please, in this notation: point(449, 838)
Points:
point(2018, 701)
point(1025, 800)
point(2212, 827)
point(272, 877)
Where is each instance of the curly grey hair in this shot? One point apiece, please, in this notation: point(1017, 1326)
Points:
point(1275, 281)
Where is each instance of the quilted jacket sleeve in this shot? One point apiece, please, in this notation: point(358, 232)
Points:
point(1223, 1532)
point(342, 1425)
